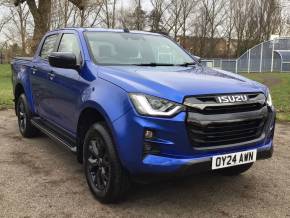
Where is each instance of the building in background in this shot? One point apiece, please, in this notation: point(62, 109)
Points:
point(220, 48)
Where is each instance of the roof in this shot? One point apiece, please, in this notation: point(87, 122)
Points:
point(80, 29)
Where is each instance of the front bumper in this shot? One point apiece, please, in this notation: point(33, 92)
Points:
point(176, 154)
point(194, 165)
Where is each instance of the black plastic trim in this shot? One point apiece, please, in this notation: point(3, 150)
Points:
point(192, 168)
point(54, 133)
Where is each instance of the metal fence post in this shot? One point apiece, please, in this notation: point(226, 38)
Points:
point(272, 61)
point(261, 57)
point(249, 59)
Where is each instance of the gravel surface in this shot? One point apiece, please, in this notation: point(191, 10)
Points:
point(39, 178)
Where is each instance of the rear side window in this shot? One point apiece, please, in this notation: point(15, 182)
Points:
point(48, 46)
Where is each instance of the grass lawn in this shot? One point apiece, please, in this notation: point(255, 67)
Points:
point(5, 87)
point(279, 84)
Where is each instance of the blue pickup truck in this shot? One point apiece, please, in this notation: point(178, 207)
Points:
point(134, 104)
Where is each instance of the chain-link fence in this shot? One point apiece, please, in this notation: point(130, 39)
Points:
point(223, 64)
point(269, 56)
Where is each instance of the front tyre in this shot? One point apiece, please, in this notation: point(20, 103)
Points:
point(235, 170)
point(106, 178)
point(26, 129)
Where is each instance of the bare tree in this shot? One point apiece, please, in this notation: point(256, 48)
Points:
point(139, 16)
point(204, 23)
point(21, 21)
point(18, 23)
point(108, 13)
point(216, 16)
point(62, 14)
point(124, 19)
point(173, 22)
point(4, 19)
point(68, 15)
point(41, 16)
point(229, 24)
point(3, 22)
point(89, 15)
point(201, 29)
point(41, 13)
point(240, 20)
point(157, 15)
point(187, 7)
point(270, 17)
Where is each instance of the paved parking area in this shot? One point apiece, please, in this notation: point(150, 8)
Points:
point(39, 178)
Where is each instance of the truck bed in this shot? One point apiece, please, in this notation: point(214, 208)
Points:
point(23, 58)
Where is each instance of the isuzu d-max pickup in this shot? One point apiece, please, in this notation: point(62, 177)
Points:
point(135, 104)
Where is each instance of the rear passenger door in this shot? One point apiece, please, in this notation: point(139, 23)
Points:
point(39, 75)
point(64, 87)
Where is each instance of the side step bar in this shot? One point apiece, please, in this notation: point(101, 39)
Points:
point(39, 124)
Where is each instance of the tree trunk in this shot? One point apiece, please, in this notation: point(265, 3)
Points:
point(41, 14)
point(82, 17)
point(41, 17)
point(114, 14)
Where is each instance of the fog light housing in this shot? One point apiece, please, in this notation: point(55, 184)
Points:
point(147, 148)
point(148, 134)
point(150, 148)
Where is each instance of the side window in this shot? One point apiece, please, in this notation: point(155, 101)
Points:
point(69, 43)
point(48, 46)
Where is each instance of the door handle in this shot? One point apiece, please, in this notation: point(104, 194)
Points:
point(34, 69)
point(51, 75)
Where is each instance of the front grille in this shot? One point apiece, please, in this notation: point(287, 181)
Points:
point(224, 133)
point(208, 104)
point(228, 109)
point(210, 124)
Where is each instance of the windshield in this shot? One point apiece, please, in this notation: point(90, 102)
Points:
point(135, 49)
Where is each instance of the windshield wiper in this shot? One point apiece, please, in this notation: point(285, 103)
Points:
point(153, 64)
point(186, 64)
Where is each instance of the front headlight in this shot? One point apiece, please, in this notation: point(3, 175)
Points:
point(269, 99)
point(153, 106)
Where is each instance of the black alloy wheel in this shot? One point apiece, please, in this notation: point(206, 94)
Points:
point(106, 177)
point(98, 167)
point(24, 117)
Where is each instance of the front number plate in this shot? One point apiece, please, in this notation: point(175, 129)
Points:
point(233, 159)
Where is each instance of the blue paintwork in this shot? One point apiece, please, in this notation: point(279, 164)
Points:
point(171, 164)
point(106, 88)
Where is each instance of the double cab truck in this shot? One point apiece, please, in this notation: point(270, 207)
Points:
point(135, 104)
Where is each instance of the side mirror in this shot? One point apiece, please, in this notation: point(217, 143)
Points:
point(66, 60)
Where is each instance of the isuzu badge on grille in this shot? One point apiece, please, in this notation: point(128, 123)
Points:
point(232, 98)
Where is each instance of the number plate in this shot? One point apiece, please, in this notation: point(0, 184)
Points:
point(228, 160)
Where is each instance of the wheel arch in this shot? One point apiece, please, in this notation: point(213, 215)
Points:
point(23, 86)
point(90, 114)
point(19, 89)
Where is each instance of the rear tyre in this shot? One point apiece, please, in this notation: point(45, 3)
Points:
point(106, 178)
point(235, 170)
point(26, 129)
